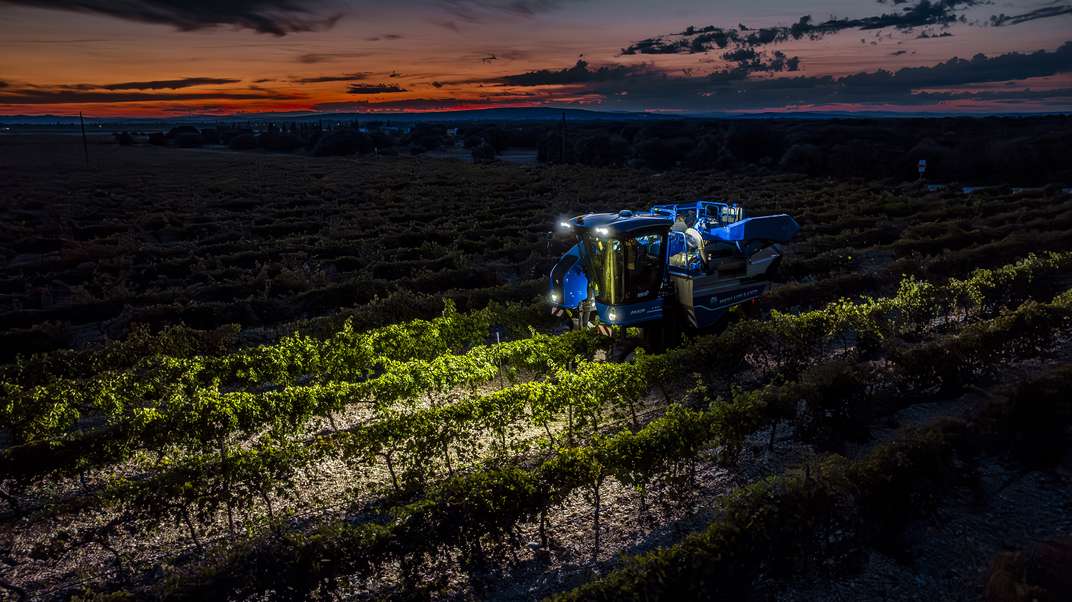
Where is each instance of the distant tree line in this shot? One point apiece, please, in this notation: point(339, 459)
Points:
point(316, 139)
point(1016, 151)
point(1009, 150)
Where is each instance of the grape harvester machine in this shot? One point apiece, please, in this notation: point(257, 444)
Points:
point(674, 267)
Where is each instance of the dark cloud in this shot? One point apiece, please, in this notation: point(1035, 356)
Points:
point(434, 104)
point(924, 13)
point(186, 109)
point(169, 84)
point(500, 54)
point(735, 90)
point(750, 60)
point(747, 61)
point(926, 35)
point(276, 17)
point(781, 62)
point(577, 74)
point(374, 89)
point(1047, 12)
point(56, 42)
point(386, 36)
point(525, 7)
point(257, 88)
point(411, 104)
point(1060, 95)
point(164, 84)
point(741, 55)
point(4, 84)
point(327, 57)
point(978, 69)
point(481, 11)
point(345, 77)
point(448, 24)
point(474, 11)
point(41, 96)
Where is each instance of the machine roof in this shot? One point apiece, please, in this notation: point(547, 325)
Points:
point(624, 222)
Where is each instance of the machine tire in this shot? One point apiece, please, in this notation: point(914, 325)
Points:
point(667, 333)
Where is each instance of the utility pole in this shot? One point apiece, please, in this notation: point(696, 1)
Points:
point(85, 145)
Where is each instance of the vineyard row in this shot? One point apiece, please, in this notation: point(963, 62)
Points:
point(627, 454)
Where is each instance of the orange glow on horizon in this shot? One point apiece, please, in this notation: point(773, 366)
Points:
point(403, 59)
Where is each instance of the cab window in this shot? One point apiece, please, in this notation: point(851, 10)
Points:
point(686, 253)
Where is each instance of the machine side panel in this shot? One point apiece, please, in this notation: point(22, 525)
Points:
point(708, 298)
point(569, 285)
point(630, 314)
point(772, 228)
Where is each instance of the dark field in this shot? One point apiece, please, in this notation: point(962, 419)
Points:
point(891, 446)
point(161, 236)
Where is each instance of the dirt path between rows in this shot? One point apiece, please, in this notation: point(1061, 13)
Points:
point(951, 550)
point(948, 555)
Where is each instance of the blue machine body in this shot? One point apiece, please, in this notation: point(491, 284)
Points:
point(689, 260)
point(630, 314)
point(569, 285)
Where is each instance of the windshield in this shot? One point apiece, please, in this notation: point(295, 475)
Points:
point(626, 270)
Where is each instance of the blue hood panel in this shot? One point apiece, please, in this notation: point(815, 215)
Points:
point(769, 228)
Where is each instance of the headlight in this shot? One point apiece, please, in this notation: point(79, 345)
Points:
point(611, 316)
point(554, 297)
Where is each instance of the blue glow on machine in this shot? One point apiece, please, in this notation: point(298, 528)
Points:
point(684, 262)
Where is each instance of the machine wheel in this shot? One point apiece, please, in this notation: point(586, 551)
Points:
point(577, 322)
point(750, 310)
point(719, 326)
point(583, 319)
point(652, 336)
point(665, 334)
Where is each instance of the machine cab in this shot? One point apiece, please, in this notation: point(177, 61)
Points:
point(690, 221)
point(625, 256)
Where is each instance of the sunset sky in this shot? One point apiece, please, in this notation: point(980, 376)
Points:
point(172, 57)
